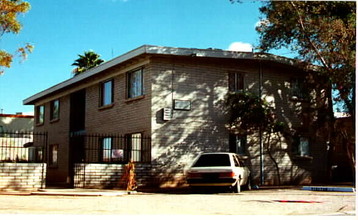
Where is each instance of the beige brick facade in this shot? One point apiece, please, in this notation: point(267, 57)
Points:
point(200, 81)
point(22, 176)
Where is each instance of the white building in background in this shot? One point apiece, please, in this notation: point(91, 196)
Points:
point(16, 122)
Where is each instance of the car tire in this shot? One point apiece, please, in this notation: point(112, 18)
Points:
point(237, 187)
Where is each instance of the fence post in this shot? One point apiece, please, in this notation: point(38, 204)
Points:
point(44, 167)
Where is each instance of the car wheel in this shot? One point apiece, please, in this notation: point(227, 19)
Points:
point(237, 187)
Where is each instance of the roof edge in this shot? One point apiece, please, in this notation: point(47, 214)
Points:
point(161, 50)
point(87, 74)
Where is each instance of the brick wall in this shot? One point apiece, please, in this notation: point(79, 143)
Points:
point(110, 175)
point(178, 141)
point(204, 83)
point(124, 116)
point(58, 134)
point(21, 176)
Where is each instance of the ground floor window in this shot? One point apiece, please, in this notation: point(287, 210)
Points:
point(238, 144)
point(109, 150)
point(301, 146)
point(106, 154)
point(53, 155)
point(112, 148)
point(135, 144)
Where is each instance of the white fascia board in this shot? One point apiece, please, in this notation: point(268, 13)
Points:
point(159, 50)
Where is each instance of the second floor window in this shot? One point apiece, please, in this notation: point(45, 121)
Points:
point(55, 110)
point(40, 114)
point(106, 93)
point(135, 86)
point(299, 90)
point(236, 82)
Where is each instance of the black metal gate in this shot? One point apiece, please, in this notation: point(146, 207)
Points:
point(105, 149)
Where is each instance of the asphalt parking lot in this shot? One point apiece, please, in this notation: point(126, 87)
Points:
point(255, 202)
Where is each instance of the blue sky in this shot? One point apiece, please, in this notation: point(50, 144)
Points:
point(60, 30)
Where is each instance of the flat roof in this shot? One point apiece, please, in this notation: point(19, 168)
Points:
point(16, 116)
point(159, 50)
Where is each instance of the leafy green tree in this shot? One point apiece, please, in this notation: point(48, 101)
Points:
point(322, 33)
point(9, 10)
point(247, 114)
point(87, 61)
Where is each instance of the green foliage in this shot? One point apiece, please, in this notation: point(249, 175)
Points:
point(321, 32)
point(9, 10)
point(87, 61)
point(249, 113)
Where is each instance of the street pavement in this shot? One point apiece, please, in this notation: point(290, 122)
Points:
point(284, 202)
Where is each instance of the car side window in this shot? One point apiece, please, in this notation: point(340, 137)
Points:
point(240, 161)
point(237, 163)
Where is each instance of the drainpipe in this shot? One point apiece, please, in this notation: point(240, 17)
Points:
point(262, 179)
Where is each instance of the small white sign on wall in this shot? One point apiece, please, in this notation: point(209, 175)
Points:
point(182, 105)
point(167, 114)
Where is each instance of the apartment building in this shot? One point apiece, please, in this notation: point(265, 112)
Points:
point(162, 106)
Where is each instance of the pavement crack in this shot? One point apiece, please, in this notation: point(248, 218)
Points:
point(343, 207)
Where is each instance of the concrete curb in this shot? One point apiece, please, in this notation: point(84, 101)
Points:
point(328, 188)
point(76, 192)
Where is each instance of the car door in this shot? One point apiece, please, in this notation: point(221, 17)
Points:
point(244, 172)
point(238, 169)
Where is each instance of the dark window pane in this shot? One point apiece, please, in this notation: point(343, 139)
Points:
point(213, 160)
point(107, 93)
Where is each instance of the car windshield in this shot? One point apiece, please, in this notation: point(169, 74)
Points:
point(213, 160)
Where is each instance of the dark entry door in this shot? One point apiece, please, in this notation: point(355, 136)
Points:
point(78, 111)
point(77, 127)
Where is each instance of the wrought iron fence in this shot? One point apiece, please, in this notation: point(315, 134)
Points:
point(19, 146)
point(109, 148)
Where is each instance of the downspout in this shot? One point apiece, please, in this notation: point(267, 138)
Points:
point(262, 179)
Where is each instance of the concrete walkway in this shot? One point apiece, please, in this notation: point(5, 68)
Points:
point(184, 190)
point(82, 192)
point(263, 201)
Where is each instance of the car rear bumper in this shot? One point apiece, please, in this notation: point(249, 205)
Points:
point(212, 182)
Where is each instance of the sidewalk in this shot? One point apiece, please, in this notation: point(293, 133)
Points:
point(82, 192)
point(69, 192)
point(178, 190)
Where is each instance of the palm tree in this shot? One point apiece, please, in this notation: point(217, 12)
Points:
point(87, 61)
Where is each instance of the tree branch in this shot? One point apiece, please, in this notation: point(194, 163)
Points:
point(315, 48)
